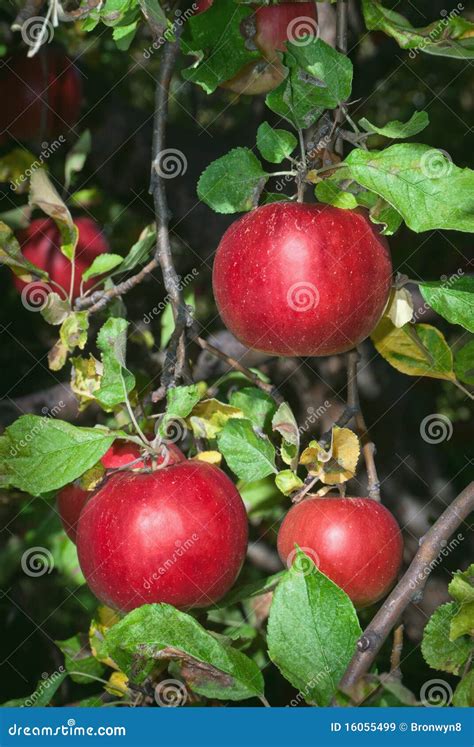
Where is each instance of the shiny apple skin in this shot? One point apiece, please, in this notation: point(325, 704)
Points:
point(41, 96)
point(356, 542)
point(131, 530)
point(72, 498)
point(40, 243)
point(294, 279)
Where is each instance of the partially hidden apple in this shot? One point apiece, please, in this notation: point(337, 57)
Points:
point(72, 498)
point(41, 96)
point(267, 30)
point(176, 535)
point(40, 244)
point(295, 279)
point(356, 542)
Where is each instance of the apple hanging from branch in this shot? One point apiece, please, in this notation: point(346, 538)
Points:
point(176, 535)
point(267, 30)
point(294, 279)
point(356, 542)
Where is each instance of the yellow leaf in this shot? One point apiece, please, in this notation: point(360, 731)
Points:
point(118, 682)
point(105, 618)
point(209, 417)
point(345, 455)
point(211, 457)
point(415, 349)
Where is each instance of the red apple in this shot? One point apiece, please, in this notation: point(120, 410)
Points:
point(356, 542)
point(41, 96)
point(40, 243)
point(268, 30)
point(72, 498)
point(176, 535)
point(302, 280)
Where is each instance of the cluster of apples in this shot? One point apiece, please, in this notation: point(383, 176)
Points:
point(289, 279)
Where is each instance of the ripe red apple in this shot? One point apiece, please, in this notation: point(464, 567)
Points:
point(41, 96)
point(356, 542)
point(40, 243)
point(302, 280)
point(176, 535)
point(268, 30)
point(72, 498)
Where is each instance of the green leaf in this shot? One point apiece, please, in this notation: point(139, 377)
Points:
point(259, 496)
point(397, 130)
point(102, 264)
point(287, 481)
point(415, 349)
point(11, 256)
point(256, 405)
point(215, 40)
point(233, 183)
point(248, 455)
point(44, 195)
point(450, 36)
point(76, 157)
point(117, 382)
point(40, 454)
point(453, 300)
point(312, 631)
point(420, 182)
point(250, 591)
point(73, 332)
point(464, 694)
point(43, 694)
point(380, 212)
point(155, 16)
point(438, 651)
point(329, 72)
point(140, 251)
point(285, 423)
point(180, 402)
point(124, 35)
point(464, 363)
point(275, 145)
point(159, 632)
point(461, 589)
point(78, 658)
point(56, 310)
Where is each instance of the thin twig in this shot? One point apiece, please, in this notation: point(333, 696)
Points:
point(234, 363)
point(410, 585)
point(100, 299)
point(368, 447)
point(396, 654)
point(342, 19)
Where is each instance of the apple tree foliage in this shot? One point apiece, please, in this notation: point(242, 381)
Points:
point(312, 627)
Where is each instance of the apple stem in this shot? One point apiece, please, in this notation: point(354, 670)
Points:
point(368, 447)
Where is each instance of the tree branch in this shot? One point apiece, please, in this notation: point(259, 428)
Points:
point(175, 359)
point(412, 583)
point(100, 299)
point(234, 363)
